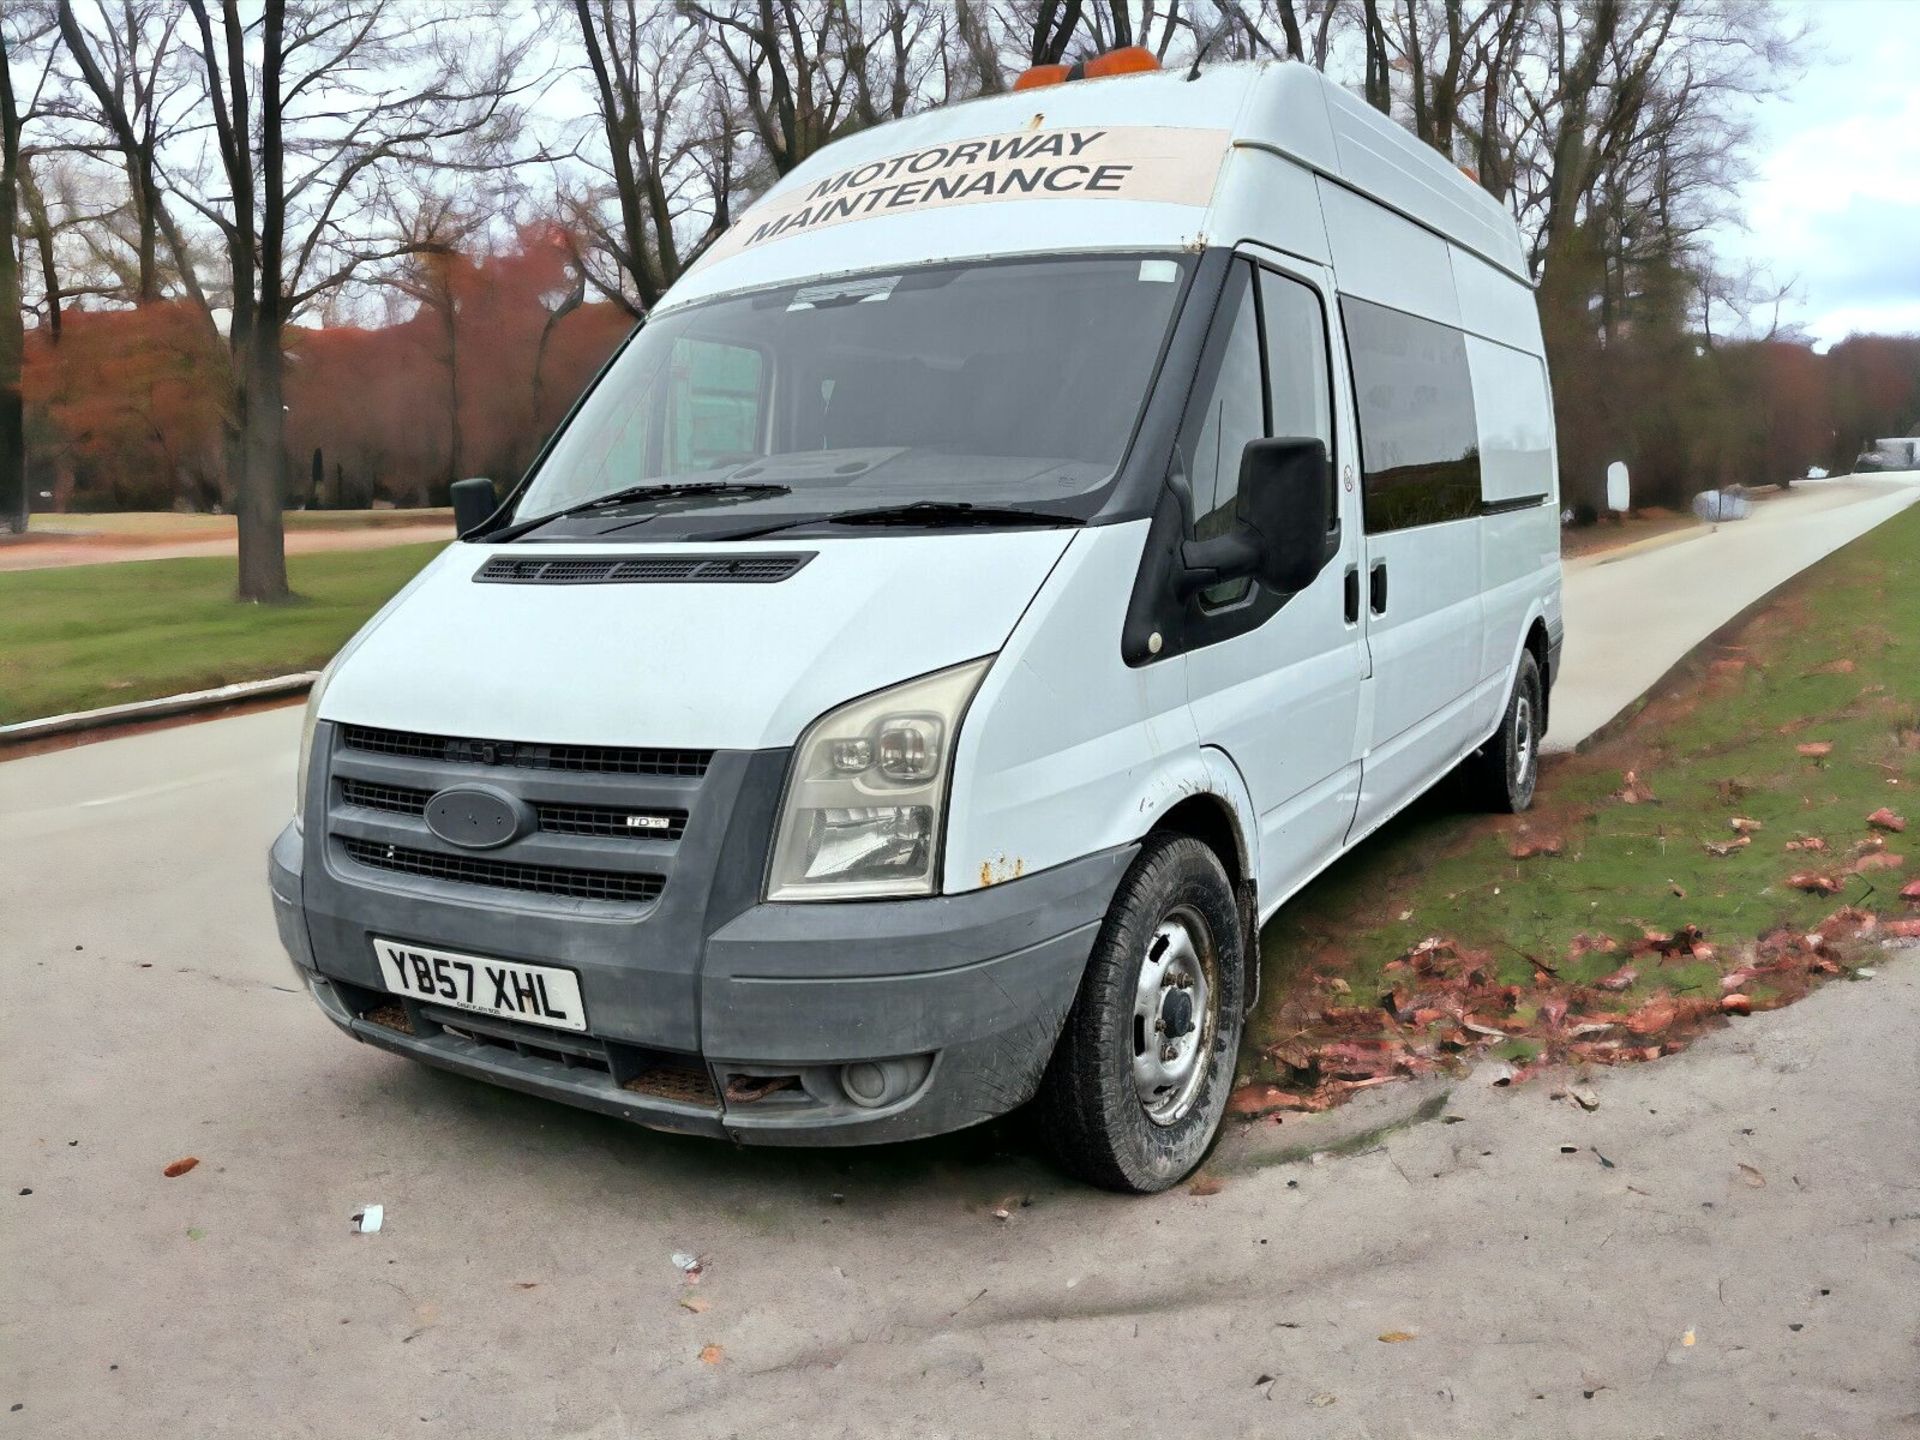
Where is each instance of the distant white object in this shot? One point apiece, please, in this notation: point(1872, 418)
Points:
point(1718, 505)
point(1898, 452)
point(1815, 472)
point(1618, 495)
point(369, 1219)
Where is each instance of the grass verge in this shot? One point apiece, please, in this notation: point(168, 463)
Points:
point(1718, 846)
point(91, 635)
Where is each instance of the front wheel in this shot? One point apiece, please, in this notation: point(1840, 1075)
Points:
point(1137, 1086)
point(1503, 773)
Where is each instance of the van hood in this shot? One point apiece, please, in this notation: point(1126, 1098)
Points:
point(695, 664)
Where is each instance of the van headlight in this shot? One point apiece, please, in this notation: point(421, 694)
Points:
point(866, 796)
point(307, 725)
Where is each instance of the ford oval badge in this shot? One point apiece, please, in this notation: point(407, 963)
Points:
point(476, 817)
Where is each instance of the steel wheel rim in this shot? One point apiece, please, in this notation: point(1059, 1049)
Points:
point(1523, 750)
point(1176, 1000)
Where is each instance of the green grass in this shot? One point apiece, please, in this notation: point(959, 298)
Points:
point(1835, 658)
point(90, 635)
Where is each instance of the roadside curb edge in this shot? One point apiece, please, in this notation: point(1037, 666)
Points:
point(163, 707)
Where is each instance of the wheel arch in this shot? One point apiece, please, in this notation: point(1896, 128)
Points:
point(1209, 801)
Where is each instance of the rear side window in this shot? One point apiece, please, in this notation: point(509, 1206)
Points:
point(1419, 448)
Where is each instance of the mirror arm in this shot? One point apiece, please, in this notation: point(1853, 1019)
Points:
point(1232, 556)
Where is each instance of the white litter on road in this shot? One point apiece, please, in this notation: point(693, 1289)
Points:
point(369, 1219)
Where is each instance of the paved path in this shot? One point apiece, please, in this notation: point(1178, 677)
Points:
point(1633, 615)
point(47, 552)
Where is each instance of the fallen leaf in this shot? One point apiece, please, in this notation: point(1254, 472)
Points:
point(1339, 986)
point(1001, 1212)
point(1743, 826)
point(1398, 1337)
point(1885, 819)
point(1911, 891)
point(1753, 1177)
point(1814, 749)
point(1905, 929)
point(1811, 843)
point(1725, 848)
point(1525, 847)
point(1582, 1097)
point(1878, 860)
point(526, 1284)
point(1814, 883)
point(1207, 1185)
point(1833, 667)
point(1736, 1004)
point(180, 1167)
point(1634, 791)
point(697, 1304)
point(1621, 979)
point(712, 1354)
point(1687, 1339)
point(1323, 1400)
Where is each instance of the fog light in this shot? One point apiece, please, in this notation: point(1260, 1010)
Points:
point(871, 1084)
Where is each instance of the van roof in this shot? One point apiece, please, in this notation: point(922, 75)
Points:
point(1286, 107)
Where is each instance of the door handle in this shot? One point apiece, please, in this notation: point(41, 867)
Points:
point(1377, 588)
point(1353, 594)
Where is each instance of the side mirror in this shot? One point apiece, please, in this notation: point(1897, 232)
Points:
point(473, 504)
point(1284, 523)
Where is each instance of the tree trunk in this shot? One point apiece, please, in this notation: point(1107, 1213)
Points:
point(13, 440)
point(258, 487)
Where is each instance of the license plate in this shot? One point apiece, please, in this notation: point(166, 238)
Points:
point(536, 994)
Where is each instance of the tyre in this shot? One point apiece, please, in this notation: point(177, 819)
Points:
point(1501, 775)
point(1138, 1083)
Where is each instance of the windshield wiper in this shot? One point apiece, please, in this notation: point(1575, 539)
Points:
point(932, 514)
point(667, 491)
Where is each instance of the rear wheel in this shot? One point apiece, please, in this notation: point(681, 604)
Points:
point(1502, 773)
point(1137, 1086)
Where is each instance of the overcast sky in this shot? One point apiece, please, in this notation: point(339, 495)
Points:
point(1835, 206)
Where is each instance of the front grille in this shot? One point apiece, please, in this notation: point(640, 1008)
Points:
point(394, 799)
point(618, 822)
point(640, 569)
point(573, 883)
point(524, 755)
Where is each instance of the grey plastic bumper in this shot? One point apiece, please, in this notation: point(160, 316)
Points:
point(980, 982)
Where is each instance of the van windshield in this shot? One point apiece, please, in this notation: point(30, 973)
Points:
point(1001, 386)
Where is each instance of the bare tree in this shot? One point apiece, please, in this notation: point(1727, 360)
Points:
point(313, 109)
point(13, 450)
point(131, 96)
point(669, 147)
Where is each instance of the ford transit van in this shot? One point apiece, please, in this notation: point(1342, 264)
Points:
point(1032, 543)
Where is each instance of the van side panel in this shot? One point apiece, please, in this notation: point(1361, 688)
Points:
point(1060, 749)
point(1391, 261)
point(1265, 198)
point(1520, 547)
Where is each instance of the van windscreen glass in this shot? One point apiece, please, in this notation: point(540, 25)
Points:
point(1003, 386)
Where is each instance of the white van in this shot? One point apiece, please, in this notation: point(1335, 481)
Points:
point(1037, 539)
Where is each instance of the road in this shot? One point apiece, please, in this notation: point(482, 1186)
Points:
point(523, 1284)
point(1634, 614)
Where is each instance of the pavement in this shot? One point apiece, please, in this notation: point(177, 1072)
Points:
point(1730, 1247)
point(50, 551)
point(1633, 614)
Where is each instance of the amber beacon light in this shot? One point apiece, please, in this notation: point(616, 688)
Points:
point(1129, 60)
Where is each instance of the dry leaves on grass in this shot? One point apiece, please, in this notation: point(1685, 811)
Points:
point(1911, 892)
point(1877, 860)
point(1740, 825)
point(1885, 819)
point(1814, 883)
point(1525, 847)
point(1635, 791)
point(1812, 844)
point(1724, 848)
point(1815, 749)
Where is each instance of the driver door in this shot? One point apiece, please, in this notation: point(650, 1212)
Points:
point(1279, 692)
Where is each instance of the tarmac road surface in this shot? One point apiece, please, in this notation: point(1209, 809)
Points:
point(523, 1283)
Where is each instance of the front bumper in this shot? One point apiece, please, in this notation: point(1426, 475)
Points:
point(745, 1036)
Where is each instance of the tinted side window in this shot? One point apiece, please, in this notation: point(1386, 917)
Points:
point(1232, 413)
point(1419, 449)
